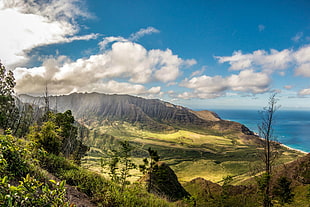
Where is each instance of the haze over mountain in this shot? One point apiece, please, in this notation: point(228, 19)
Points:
point(151, 113)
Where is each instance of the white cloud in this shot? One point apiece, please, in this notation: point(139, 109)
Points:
point(206, 84)
point(302, 57)
point(303, 70)
point(288, 87)
point(249, 81)
point(238, 61)
point(126, 61)
point(259, 59)
point(297, 37)
point(304, 92)
point(198, 72)
point(165, 65)
point(143, 32)
point(107, 40)
point(261, 27)
point(30, 24)
point(212, 87)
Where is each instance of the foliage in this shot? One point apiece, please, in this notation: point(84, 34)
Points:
point(226, 184)
point(58, 135)
point(8, 110)
point(120, 163)
point(134, 195)
point(206, 193)
point(12, 157)
point(283, 191)
point(31, 192)
point(16, 161)
point(148, 166)
point(49, 138)
point(27, 116)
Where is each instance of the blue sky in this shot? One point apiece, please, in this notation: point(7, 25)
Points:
point(196, 53)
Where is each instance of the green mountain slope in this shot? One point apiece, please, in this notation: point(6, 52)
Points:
point(194, 144)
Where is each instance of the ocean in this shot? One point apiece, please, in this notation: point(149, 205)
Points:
point(291, 128)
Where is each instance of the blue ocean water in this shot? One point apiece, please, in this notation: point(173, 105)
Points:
point(291, 128)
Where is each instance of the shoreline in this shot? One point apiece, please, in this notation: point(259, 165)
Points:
point(283, 145)
point(291, 148)
point(249, 120)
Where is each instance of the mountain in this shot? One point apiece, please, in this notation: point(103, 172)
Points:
point(152, 114)
point(193, 143)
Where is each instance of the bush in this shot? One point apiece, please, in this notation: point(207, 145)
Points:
point(12, 157)
point(55, 164)
point(31, 192)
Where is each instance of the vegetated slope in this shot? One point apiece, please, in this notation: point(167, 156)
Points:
point(192, 143)
point(297, 173)
point(163, 181)
point(150, 114)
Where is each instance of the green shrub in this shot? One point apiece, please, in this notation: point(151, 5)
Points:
point(88, 182)
point(31, 192)
point(55, 164)
point(12, 157)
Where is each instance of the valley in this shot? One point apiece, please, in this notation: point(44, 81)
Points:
point(193, 143)
point(190, 154)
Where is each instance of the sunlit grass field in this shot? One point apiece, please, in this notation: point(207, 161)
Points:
point(189, 153)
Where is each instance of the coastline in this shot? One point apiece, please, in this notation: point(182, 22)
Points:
point(291, 126)
point(291, 148)
point(283, 145)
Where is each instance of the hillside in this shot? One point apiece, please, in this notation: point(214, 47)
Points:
point(154, 114)
point(194, 144)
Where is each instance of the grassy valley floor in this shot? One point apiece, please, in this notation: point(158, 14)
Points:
point(190, 154)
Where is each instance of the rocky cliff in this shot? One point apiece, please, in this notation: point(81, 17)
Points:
point(152, 114)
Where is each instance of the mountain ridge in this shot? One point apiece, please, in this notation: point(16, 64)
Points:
point(156, 114)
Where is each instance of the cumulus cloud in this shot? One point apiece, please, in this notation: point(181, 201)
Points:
point(304, 92)
point(107, 40)
point(142, 32)
point(303, 70)
point(269, 62)
point(259, 59)
point(249, 81)
point(125, 60)
point(37, 23)
point(212, 87)
point(302, 57)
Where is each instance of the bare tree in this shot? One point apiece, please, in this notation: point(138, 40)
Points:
point(269, 152)
point(46, 99)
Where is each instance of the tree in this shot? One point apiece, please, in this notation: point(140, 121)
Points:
point(283, 190)
point(59, 136)
point(49, 138)
point(269, 152)
point(8, 110)
point(148, 166)
point(120, 163)
point(68, 131)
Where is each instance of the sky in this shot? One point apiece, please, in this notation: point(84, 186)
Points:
point(201, 54)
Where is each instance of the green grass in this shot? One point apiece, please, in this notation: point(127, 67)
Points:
point(190, 153)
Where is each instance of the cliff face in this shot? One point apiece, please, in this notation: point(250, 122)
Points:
point(153, 114)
